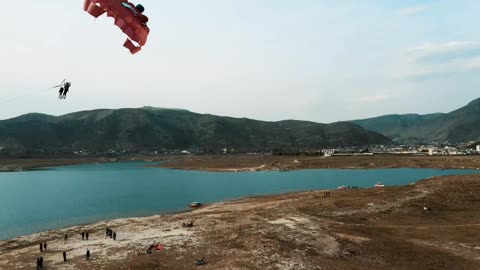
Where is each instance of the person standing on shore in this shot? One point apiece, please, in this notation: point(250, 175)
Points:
point(64, 256)
point(41, 262)
point(66, 237)
point(114, 236)
point(45, 246)
point(38, 263)
point(107, 231)
point(83, 235)
point(41, 247)
point(86, 236)
point(88, 254)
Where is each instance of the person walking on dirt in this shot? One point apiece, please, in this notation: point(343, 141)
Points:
point(64, 256)
point(41, 247)
point(86, 236)
point(88, 254)
point(114, 236)
point(83, 235)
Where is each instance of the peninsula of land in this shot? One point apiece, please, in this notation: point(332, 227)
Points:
point(254, 162)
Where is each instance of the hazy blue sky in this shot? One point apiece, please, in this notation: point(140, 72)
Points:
point(266, 59)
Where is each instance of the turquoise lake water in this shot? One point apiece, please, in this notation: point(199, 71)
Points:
point(41, 200)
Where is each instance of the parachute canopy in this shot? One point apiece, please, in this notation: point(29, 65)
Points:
point(128, 18)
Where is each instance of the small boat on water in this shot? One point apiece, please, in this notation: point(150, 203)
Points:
point(195, 204)
point(342, 187)
point(379, 185)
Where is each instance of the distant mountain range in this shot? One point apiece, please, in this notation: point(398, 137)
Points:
point(150, 128)
point(461, 125)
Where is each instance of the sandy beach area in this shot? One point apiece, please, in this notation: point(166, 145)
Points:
point(383, 228)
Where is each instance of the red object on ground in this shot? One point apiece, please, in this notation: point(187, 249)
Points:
point(127, 17)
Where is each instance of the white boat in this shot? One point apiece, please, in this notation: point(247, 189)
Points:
point(195, 204)
point(379, 185)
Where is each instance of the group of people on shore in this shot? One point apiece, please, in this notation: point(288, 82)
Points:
point(110, 233)
point(85, 235)
point(39, 262)
point(43, 246)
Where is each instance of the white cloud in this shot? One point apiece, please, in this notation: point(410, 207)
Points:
point(441, 48)
point(436, 59)
point(409, 11)
point(424, 71)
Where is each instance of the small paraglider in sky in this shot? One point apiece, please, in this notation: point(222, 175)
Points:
point(128, 18)
point(64, 87)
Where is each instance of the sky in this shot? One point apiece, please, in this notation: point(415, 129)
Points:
point(318, 60)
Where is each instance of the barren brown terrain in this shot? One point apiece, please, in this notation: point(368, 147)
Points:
point(384, 228)
point(259, 162)
point(268, 162)
point(24, 164)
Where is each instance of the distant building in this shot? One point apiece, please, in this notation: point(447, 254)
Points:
point(430, 151)
point(478, 149)
point(328, 152)
point(452, 151)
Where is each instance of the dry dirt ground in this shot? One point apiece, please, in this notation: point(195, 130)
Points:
point(260, 162)
point(269, 162)
point(384, 228)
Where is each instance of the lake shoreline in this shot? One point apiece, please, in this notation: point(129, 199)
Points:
point(9, 164)
point(106, 220)
point(348, 221)
point(251, 163)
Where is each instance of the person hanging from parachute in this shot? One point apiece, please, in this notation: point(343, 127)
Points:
point(128, 17)
point(64, 88)
point(60, 92)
